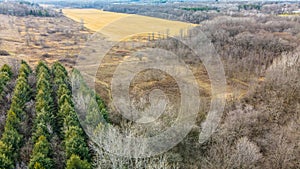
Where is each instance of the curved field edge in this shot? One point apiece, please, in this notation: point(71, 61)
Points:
point(109, 23)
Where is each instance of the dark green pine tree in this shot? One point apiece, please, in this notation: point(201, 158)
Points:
point(76, 148)
point(43, 123)
point(74, 162)
point(40, 155)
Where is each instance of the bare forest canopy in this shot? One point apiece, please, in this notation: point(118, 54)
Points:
point(194, 12)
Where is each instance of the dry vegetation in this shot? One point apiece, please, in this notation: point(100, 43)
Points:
point(260, 127)
point(117, 25)
point(41, 38)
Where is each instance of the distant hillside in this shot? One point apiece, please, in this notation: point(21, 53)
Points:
point(24, 8)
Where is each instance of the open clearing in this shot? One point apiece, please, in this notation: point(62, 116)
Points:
point(117, 26)
point(125, 27)
point(41, 38)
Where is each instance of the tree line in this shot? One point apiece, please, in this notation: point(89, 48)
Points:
point(24, 8)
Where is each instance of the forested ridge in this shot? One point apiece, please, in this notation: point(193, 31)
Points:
point(41, 127)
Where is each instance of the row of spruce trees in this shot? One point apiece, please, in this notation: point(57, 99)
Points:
point(76, 148)
point(54, 115)
point(43, 122)
point(12, 138)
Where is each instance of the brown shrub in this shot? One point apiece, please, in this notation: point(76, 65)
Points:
point(4, 53)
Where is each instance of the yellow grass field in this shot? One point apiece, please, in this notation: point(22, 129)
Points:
point(117, 26)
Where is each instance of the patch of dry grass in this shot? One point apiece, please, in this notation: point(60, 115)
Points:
point(116, 26)
point(31, 38)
